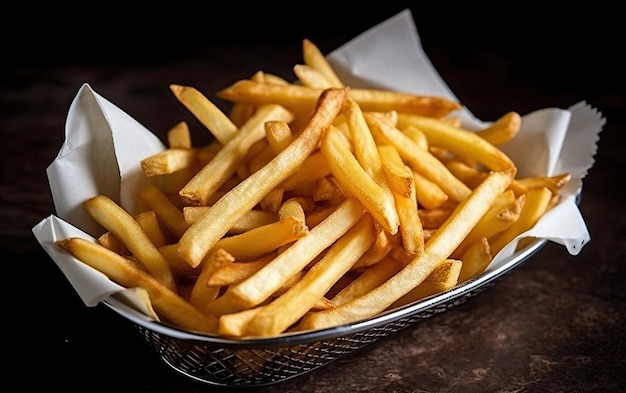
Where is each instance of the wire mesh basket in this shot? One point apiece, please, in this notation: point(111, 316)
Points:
point(253, 362)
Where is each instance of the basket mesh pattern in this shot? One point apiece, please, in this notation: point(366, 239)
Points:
point(244, 365)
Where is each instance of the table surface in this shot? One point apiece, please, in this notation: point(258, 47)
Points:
point(555, 323)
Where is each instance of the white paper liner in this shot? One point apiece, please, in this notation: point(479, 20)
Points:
point(104, 146)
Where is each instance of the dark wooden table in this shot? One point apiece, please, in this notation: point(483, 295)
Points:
point(557, 323)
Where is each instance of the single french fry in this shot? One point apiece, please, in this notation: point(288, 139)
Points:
point(554, 182)
point(168, 214)
point(236, 272)
point(179, 137)
point(216, 121)
point(149, 222)
point(444, 277)
point(224, 165)
point(251, 219)
point(118, 221)
point(499, 217)
point(314, 167)
point(438, 248)
point(260, 286)
point(202, 293)
point(377, 252)
point(470, 175)
point(314, 58)
point(419, 160)
point(536, 204)
point(398, 175)
point(240, 112)
point(302, 99)
point(204, 233)
point(166, 302)
point(429, 195)
point(168, 161)
point(503, 129)
point(284, 311)
point(311, 77)
point(476, 258)
point(108, 240)
point(411, 230)
point(264, 239)
point(459, 141)
point(355, 180)
point(371, 277)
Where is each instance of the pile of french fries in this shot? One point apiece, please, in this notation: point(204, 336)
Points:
point(315, 205)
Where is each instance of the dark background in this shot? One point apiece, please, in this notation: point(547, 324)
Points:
point(562, 317)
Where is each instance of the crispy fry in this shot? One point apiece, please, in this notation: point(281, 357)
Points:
point(166, 302)
point(179, 137)
point(502, 130)
point(202, 293)
point(149, 222)
point(251, 219)
point(353, 178)
point(314, 58)
point(302, 99)
point(168, 214)
point(476, 258)
point(459, 141)
point(445, 276)
point(371, 277)
point(168, 161)
point(223, 166)
point(236, 272)
point(536, 204)
point(218, 123)
point(115, 219)
point(203, 234)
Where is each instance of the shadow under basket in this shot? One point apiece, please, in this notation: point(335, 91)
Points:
point(254, 362)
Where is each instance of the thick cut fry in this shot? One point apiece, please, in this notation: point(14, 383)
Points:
point(502, 130)
point(437, 249)
point(459, 141)
point(166, 302)
point(266, 281)
point(301, 99)
point(149, 222)
point(118, 221)
point(168, 161)
point(444, 277)
point(204, 233)
point(233, 273)
point(202, 293)
point(284, 311)
point(353, 178)
point(419, 160)
point(314, 58)
point(178, 137)
point(377, 252)
point(476, 258)
point(537, 203)
point(411, 230)
point(372, 277)
point(399, 176)
point(224, 165)
point(314, 167)
point(499, 217)
point(168, 214)
point(251, 219)
point(216, 121)
point(264, 239)
point(429, 195)
point(311, 77)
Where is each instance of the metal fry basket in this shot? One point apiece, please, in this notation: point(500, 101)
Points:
point(254, 362)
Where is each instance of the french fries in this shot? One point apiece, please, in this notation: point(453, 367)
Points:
point(317, 204)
